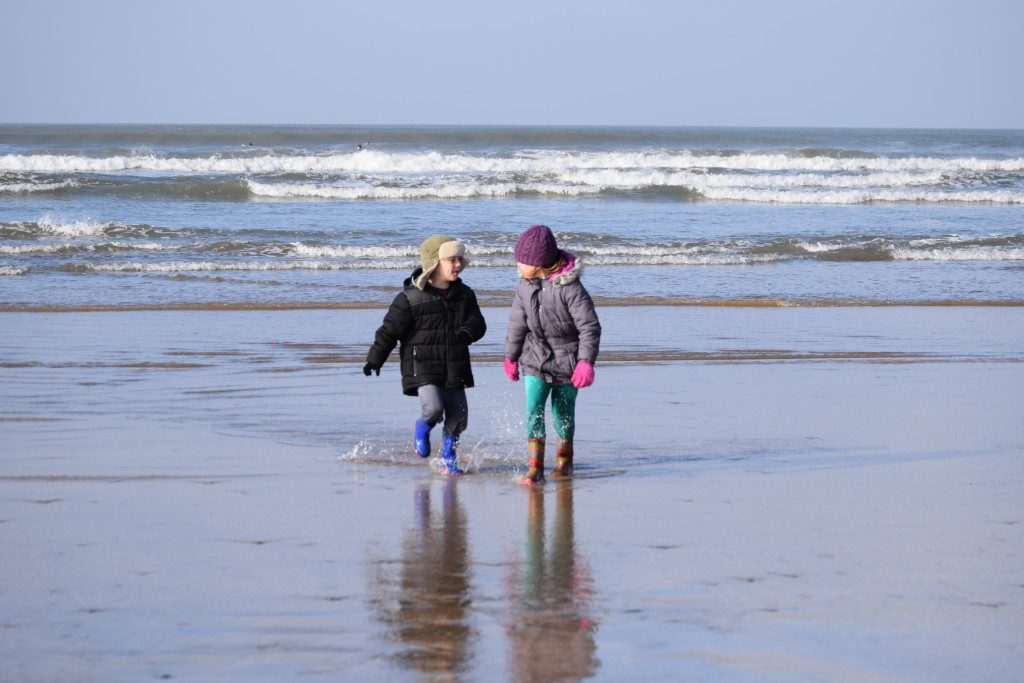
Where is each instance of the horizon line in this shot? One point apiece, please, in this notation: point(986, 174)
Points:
point(510, 125)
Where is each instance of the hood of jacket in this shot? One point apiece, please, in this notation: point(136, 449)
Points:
point(570, 272)
point(411, 280)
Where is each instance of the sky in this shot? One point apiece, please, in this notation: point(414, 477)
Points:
point(844, 63)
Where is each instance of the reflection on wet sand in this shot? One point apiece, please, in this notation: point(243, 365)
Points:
point(551, 631)
point(426, 606)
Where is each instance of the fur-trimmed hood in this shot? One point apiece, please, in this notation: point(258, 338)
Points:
point(570, 272)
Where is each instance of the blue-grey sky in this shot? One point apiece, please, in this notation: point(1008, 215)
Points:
point(870, 63)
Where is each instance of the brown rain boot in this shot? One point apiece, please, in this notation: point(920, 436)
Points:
point(563, 455)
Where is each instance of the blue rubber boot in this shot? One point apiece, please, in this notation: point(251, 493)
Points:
point(448, 454)
point(422, 440)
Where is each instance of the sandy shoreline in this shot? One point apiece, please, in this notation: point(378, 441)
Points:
point(782, 504)
point(499, 299)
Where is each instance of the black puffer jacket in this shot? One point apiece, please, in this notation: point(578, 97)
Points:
point(435, 328)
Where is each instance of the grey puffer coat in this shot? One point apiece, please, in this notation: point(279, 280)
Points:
point(553, 325)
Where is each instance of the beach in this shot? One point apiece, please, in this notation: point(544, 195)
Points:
point(770, 493)
point(801, 459)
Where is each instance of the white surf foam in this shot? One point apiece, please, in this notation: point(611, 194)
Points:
point(545, 161)
point(959, 254)
point(212, 266)
point(847, 197)
point(82, 228)
point(17, 249)
point(441, 190)
point(328, 251)
point(24, 188)
point(10, 271)
point(683, 259)
point(620, 179)
point(819, 247)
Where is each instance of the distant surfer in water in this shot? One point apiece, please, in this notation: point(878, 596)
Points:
point(360, 148)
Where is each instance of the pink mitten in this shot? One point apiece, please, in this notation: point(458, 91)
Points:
point(512, 370)
point(583, 375)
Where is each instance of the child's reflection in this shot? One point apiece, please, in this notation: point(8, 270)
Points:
point(426, 606)
point(551, 631)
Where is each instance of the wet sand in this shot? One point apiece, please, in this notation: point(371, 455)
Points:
point(768, 494)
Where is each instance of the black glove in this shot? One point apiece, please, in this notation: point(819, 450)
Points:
point(370, 367)
point(464, 336)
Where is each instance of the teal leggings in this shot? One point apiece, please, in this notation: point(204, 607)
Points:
point(563, 408)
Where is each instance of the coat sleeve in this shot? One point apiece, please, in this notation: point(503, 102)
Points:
point(475, 324)
point(397, 322)
point(584, 316)
point(517, 328)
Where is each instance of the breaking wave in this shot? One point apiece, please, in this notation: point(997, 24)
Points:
point(6, 271)
point(224, 266)
point(860, 196)
point(36, 186)
point(299, 256)
point(791, 176)
point(75, 248)
point(525, 161)
point(439, 190)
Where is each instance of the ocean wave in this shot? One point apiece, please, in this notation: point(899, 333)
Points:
point(449, 190)
point(207, 250)
point(683, 259)
point(302, 250)
point(323, 258)
point(27, 187)
point(492, 257)
point(377, 263)
point(11, 271)
point(850, 197)
point(81, 228)
point(736, 187)
point(229, 266)
point(791, 177)
point(49, 226)
point(798, 188)
point(786, 162)
point(297, 255)
point(619, 179)
point(69, 248)
point(953, 254)
point(431, 162)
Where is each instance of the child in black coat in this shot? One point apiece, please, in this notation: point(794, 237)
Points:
point(435, 319)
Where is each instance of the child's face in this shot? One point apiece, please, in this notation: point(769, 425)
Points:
point(448, 270)
point(529, 272)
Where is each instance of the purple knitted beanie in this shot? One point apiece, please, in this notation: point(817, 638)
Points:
point(537, 247)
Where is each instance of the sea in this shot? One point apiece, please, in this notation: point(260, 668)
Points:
point(125, 217)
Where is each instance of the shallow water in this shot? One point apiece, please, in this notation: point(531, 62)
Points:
point(762, 494)
point(286, 374)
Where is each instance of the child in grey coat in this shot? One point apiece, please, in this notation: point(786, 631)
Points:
point(553, 340)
